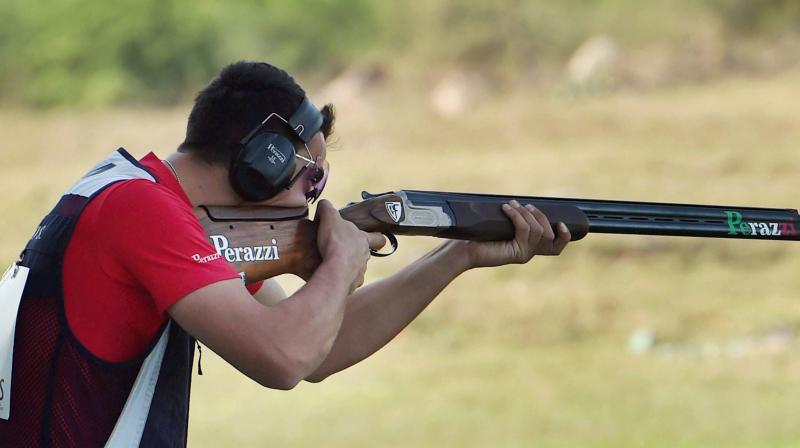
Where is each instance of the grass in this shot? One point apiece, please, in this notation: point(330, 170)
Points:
point(532, 355)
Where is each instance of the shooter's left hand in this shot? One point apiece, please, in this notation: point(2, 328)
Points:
point(533, 235)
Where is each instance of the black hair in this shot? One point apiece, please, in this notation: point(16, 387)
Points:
point(241, 96)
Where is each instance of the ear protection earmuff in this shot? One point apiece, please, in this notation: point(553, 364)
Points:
point(265, 161)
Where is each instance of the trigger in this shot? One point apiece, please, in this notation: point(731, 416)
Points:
point(392, 240)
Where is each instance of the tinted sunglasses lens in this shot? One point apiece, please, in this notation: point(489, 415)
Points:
point(319, 176)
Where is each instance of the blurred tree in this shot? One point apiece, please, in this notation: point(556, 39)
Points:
point(94, 52)
point(508, 38)
point(749, 17)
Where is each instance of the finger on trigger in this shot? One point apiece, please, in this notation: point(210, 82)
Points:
point(376, 240)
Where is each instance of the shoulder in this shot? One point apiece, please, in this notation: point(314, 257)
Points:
point(153, 235)
point(140, 200)
point(139, 191)
point(129, 213)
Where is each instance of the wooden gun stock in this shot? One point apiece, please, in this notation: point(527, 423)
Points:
point(263, 242)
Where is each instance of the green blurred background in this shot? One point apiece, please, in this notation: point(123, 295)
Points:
point(622, 341)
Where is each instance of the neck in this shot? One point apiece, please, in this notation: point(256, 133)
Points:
point(208, 184)
point(204, 183)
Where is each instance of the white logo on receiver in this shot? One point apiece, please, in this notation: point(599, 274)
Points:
point(395, 210)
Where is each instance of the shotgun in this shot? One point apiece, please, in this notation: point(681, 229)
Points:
point(263, 242)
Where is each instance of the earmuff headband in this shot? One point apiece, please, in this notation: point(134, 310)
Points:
point(306, 120)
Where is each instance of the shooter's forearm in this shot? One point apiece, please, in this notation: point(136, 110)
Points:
point(377, 312)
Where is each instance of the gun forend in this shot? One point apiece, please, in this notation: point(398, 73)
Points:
point(457, 217)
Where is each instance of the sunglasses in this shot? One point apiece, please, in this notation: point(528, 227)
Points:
point(318, 179)
point(317, 175)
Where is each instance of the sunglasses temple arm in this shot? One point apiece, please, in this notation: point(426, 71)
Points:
point(297, 176)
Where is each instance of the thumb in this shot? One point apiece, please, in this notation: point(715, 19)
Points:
point(324, 207)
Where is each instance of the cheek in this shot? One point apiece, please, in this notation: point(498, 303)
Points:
point(294, 197)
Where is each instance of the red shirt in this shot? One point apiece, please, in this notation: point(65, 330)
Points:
point(132, 256)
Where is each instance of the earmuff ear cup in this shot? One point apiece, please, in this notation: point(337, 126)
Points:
point(263, 167)
point(264, 163)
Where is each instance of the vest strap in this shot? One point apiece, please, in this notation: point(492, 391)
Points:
point(130, 425)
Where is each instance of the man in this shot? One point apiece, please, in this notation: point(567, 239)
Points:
point(122, 279)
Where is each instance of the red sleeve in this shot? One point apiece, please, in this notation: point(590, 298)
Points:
point(154, 236)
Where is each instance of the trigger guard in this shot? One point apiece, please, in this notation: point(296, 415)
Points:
point(392, 240)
